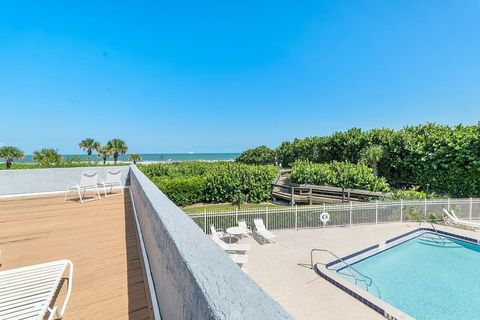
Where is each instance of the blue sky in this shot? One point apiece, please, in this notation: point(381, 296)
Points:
point(222, 76)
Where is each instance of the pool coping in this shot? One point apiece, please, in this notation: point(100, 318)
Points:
point(329, 271)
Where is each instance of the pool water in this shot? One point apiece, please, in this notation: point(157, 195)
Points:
point(427, 277)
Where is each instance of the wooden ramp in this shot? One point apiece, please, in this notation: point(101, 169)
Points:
point(284, 189)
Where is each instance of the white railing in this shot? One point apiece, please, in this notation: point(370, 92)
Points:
point(302, 217)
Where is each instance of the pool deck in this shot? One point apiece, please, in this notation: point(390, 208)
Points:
point(299, 289)
point(99, 237)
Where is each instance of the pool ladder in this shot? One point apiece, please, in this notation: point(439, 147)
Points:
point(438, 234)
point(363, 278)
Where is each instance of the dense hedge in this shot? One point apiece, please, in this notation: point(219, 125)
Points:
point(446, 158)
point(193, 181)
point(262, 155)
point(182, 191)
point(253, 183)
point(338, 174)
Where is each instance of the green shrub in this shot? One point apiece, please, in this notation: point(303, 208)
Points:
point(445, 158)
point(182, 191)
point(262, 155)
point(226, 182)
point(338, 174)
point(409, 195)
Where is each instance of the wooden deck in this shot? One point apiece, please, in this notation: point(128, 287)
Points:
point(99, 237)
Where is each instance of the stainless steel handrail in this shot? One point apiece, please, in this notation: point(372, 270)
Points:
point(438, 234)
point(368, 283)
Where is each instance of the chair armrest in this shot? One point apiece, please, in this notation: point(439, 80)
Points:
point(69, 291)
point(73, 185)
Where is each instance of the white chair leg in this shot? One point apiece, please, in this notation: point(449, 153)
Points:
point(80, 195)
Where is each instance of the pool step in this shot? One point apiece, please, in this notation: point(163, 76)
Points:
point(438, 242)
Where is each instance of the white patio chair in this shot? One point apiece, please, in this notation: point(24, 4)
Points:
point(451, 219)
point(88, 181)
point(262, 231)
point(218, 232)
point(243, 224)
point(113, 179)
point(29, 292)
point(230, 246)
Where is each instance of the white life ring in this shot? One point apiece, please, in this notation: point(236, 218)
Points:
point(324, 217)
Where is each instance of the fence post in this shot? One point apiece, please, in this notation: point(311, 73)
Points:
point(236, 215)
point(401, 210)
point(376, 211)
point(292, 201)
point(296, 217)
point(425, 208)
point(471, 208)
point(266, 210)
point(351, 209)
point(205, 221)
point(448, 204)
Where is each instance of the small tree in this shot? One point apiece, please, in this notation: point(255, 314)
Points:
point(47, 157)
point(117, 147)
point(89, 145)
point(371, 156)
point(135, 157)
point(103, 152)
point(10, 154)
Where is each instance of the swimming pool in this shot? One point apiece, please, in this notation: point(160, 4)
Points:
point(423, 274)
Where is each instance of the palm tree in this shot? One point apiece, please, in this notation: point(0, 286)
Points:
point(135, 157)
point(10, 154)
point(371, 156)
point(47, 157)
point(116, 147)
point(104, 152)
point(89, 145)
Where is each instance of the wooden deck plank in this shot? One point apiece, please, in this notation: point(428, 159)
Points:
point(99, 237)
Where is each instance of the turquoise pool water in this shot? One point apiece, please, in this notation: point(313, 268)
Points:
point(427, 277)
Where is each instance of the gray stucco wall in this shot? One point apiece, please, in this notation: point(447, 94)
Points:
point(47, 180)
point(193, 277)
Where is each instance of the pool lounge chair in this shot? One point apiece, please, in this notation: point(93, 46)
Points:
point(230, 246)
point(243, 224)
point(238, 258)
point(452, 220)
point(218, 232)
point(29, 292)
point(262, 231)
point(113, 179)
point(88, 181)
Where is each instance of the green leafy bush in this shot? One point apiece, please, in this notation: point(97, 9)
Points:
point(191, 182)
point(409, 195)
point(182, 191)
point(338, 174)
point(262, 155)
point(445, 158)
point(226, 182)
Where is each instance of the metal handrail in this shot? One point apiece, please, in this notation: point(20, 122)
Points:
point(438, 234)
point(364, 277)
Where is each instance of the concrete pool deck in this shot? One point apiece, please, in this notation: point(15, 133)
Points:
point(299, 289)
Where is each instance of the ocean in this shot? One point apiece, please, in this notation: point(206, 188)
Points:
point(156, 157)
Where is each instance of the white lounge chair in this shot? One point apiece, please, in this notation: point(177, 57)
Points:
point(230, 246)
point(262, 231)
point(451, 219)
point(113, 179)
point(243, 224)
point(88, 181)
point(29, 292)
point(219, 233)
point(238, 258)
